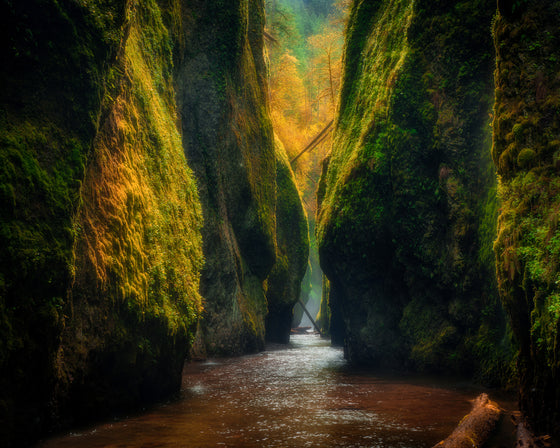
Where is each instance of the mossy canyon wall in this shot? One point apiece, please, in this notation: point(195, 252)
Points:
point(408, 215)
point(107, 237)
point(410, 198)
point(229, 141)
point(527, 156)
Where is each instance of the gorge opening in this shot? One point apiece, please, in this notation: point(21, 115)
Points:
point(166, 165)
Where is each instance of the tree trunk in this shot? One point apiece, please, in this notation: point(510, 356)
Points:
point(331, 80)
point(525, 438)
point(475, 428)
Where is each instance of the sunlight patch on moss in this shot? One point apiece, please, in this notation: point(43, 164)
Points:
point(141, 218)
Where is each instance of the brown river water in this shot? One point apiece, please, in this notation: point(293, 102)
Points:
point(300, 395)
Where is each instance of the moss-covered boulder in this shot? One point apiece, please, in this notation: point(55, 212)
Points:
point(99, 213)
point(527, 156)
point(408, 215)
point(292, 243)
point(229, 142)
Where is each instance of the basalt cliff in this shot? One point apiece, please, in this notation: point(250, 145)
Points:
point(139, 179)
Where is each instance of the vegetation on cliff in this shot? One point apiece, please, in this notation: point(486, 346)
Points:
point(112, 248)
point(101, 224)
point(305, 68)
point(228, 139)
point(48, 122)
point(526, 153)
point(100, 220)
point(406, 222)
point(292, 242)
point(138, 243)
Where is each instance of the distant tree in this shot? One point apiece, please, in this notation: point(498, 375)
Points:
point(322, 8)
point(305, 72)
point(326, 48)
point(287, 91)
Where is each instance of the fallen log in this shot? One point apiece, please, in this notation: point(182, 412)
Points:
point(525, 438)
point(476, 427)
point(300, 330)
point(315, 142)
point(317, 328)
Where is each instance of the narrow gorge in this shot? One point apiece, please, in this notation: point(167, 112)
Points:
point(164, 198)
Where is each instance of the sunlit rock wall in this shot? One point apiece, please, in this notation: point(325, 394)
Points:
point(527, 156)
point(229, 143)
point(99, 213)
point(409, 212)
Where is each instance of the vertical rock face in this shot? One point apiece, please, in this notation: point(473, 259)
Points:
point(292, 242)
point(527, 156)
point(228, 140)
point(134, 296)
point(100, 219)
point(407, 219)
point(330, 316)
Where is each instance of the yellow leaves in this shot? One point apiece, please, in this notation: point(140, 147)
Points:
point(327, 64)
point(287, 92)
point(303, 97)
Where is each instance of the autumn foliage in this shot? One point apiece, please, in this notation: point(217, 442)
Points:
point(305, 69)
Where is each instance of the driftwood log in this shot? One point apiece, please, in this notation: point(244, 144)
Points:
point(476, 427)
point(525, 437)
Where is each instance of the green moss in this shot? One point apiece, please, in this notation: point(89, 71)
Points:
point(55, 60)
point(525, 157)
point(154, 215)
point(324, 314)
point(228, 139)
point(292, 242)
point(408, 215)
point(99, 214)
point(527, 246)
point(435, 339)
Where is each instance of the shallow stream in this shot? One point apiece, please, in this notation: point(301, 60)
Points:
point(301, 395)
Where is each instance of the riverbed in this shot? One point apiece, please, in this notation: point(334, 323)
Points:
point(300, 395)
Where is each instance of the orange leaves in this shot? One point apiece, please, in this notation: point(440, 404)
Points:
point(304, 85)
point(287, 91)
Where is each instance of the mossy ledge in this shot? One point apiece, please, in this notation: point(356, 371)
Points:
point(100, 219)
point(408, 212)
point(526, 153)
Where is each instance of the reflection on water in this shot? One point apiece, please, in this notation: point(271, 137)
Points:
point(303, 395)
